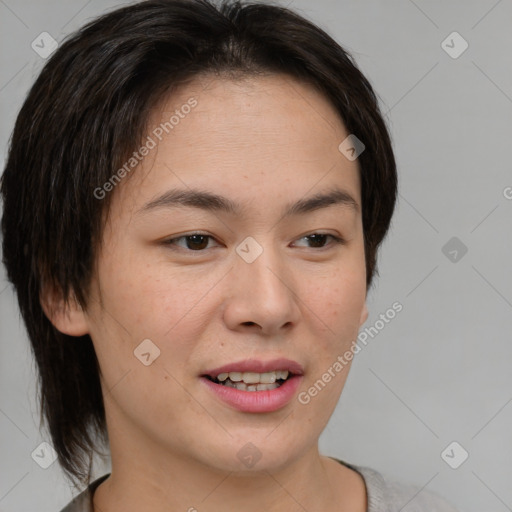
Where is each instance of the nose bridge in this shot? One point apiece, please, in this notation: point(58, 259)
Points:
point(263, 289)
point(261, 267)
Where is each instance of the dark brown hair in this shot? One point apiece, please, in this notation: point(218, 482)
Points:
point(88, 110)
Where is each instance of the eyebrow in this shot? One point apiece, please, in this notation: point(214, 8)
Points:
point(208, 201)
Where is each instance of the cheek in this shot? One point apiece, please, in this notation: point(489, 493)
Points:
point(139, 305)
point(336, 300)
point(149, 296)
point(170, 307)
point(340, 299)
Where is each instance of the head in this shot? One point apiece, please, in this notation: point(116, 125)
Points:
point(130, 117)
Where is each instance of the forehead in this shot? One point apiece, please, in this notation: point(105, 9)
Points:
point(242, 137)
point(273, 108)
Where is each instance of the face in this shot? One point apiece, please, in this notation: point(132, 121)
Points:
point(186, 285)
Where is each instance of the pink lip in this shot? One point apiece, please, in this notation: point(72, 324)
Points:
point(256, 401)
point(255, 365)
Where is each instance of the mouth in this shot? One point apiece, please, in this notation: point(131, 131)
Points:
point(252, 381)
point(255, 386)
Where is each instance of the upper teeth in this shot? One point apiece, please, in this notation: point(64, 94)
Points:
point(254, 378)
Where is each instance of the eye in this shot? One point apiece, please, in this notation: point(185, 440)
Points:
point(318, 239)
point(198, 242)
point(195, 242)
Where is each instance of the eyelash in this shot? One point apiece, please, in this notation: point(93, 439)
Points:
point(171, 243)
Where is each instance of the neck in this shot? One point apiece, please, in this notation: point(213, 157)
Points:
point(312, 482)
point(149, 476)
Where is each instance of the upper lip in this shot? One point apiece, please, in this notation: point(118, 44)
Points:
point(257, 366)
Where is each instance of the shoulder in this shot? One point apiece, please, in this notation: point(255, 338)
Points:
point(83, 502)
point(388, 495)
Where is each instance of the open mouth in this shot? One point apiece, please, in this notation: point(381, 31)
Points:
point(255, 386)
point(252, 381)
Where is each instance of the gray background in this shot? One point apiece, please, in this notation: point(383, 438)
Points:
point(440, 370)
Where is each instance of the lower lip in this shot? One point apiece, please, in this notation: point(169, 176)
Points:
point(256, 401)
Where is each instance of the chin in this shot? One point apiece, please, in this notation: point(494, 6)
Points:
point(249, 454)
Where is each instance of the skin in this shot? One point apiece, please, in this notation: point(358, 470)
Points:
point(263, 142)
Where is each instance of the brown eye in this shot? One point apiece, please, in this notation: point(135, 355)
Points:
point(194, 242)
point(318, 240)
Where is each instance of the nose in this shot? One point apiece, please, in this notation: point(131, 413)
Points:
point(263, 295)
